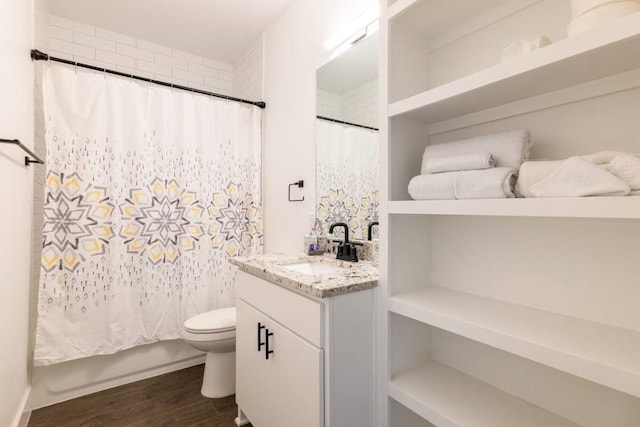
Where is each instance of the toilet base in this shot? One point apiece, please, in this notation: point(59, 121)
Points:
point(219, 379)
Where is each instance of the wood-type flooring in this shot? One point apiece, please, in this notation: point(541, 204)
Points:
point(171, 399)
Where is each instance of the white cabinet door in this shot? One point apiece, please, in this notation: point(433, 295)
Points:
point(285, 390)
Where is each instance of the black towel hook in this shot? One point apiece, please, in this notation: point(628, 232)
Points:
point(299, 184)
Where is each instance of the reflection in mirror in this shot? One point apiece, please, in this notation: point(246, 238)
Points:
point(347, 188)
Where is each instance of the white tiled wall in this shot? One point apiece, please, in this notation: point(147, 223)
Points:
point(85, 43)
point(247, 72)
point(329, 104)
point(359, 105)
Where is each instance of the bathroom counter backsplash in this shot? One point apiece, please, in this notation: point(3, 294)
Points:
point(367, 249)
point(353, 276)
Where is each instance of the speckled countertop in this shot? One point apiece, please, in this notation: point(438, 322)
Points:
point(353, 277)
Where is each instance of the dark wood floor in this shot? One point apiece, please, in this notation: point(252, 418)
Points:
point(172, 399)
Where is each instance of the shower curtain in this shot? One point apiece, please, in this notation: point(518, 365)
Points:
point(347, 170)
point(148, 192)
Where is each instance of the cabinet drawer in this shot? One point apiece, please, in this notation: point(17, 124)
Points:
point(302, 315)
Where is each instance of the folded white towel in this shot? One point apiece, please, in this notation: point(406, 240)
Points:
point(625, 166)
point(494, 183)
point(463, 162)
point(509, 149)
point(577, 177)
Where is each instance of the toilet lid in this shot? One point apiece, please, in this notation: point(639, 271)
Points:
point(220, 320)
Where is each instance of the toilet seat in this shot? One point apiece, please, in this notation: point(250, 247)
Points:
point(211, 322)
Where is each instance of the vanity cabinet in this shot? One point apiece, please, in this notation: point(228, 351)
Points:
point(303, 361)
point(507, 312)
point(279, 377)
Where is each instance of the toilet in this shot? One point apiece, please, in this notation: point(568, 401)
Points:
point(215, 333)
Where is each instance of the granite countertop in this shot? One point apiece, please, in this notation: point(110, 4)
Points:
point(353, 277)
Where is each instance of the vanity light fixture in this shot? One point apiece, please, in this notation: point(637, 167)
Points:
point(364, 25)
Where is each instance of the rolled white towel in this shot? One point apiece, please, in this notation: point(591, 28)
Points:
point(509, 149)
point(494, 183)
point(532, 172)
point(577, 177)
point(463, 162)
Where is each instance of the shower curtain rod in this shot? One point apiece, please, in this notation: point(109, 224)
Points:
point(37, 55)
point(346, 123)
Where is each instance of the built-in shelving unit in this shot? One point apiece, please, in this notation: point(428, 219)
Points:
point(569, 320)
point(598, 352)
point(450, 398)
point(601, 53)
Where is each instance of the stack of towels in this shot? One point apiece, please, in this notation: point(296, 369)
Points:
point(484, 167)
point(607, 173)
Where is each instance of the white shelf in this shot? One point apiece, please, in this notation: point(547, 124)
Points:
point(446, 397)
point(597, 352)
point(432, 17)
point(609, 50)
point(627, 207)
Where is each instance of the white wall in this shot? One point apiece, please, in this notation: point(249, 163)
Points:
point(85, 43)
point(16, 189)
point(293, 51)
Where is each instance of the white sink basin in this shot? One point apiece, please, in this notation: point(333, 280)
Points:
point(313, 268)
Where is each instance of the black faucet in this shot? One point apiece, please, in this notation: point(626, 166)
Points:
point(371, 224)
point(346, 230)
point(346, 251)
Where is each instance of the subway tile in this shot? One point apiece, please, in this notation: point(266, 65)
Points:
point(60, 33)
point(159, 69)
point(134, 52)
point(143, 44)
point(72, 48)
point(189, 57)
point(204, 87)
point(116, 37)
point(218, 84)
point(205, 71)
point(133, 71)
point(225, 75)
point(94, 62)
point(98, 43)
point(171, 61)
point(218, 64)
point(115, 59)
point(179, 82)
point(69, 24)
point(61, 55)
point(188, 76)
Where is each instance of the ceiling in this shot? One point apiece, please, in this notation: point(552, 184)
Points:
point(217, 29)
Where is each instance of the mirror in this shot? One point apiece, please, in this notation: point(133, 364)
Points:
point(347, 187)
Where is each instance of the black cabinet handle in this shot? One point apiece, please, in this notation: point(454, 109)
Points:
point(268, 350)
point(260, 342)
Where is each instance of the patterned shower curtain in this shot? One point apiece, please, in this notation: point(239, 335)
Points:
point(347, 183)
point(148, 192)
